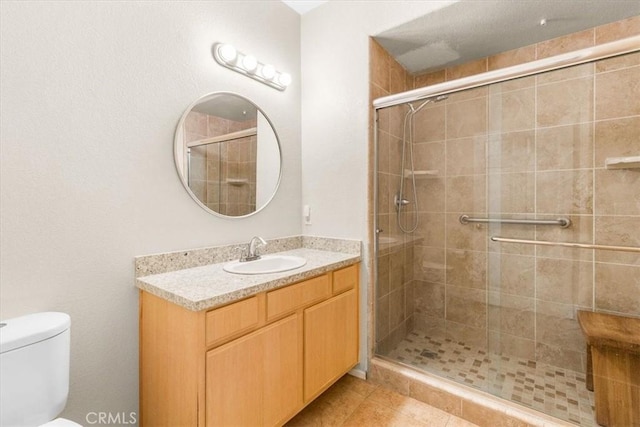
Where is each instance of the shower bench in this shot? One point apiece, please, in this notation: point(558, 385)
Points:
point(613, 366)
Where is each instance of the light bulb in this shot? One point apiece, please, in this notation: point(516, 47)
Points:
point(250, 63)
point(268, 71)
point(228, 53)
point(284, 79)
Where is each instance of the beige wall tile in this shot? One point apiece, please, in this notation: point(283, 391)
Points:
point(467, 69)
point(466, 194)
point(467, 269)
point(618, 231)
point(395, 157)
point(580, 231)
point(427, 157)
point(470, 335)
point(617, 192)
point(510, 345)
point(467, 118)
point(431, 197)
point(429, 298)
point(556, 325)
point(515, 231)
point(565, 102)
point(565, 147)
point(512, 111)
point(397, 77)
point(512, 57)
point(565, 192)
point(431, 227)
point(468, 94)
point(383, 152)
point(429, 123)
point(396, 120)
point(618, 288)
point(465, 236)
point(568, 73)
point(512, 192)
point(430, 325)
point(618, 30)
point(379, 65)
point(429, 264)
point(397, 309)
point(382, 318)
point(429, 79)
point(511, 152)
point(564, 281)
point(511, 314)
point(466, 156)
point(512, 274)
point(510, 85)
point(565, 44)
point(618, 62)
point(609, 87)
point(616, 138)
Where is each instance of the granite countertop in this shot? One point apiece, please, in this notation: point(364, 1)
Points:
point(205, 287)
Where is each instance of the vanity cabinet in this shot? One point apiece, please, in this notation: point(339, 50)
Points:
point(255, 380)
point(257, 361)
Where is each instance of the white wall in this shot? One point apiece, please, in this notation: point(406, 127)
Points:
point(335, 119)
point(91, 95)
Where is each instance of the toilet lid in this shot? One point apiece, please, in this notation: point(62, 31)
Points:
point(61, 422)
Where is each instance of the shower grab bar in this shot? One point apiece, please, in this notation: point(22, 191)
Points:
point(562, 222)
point(567, 244)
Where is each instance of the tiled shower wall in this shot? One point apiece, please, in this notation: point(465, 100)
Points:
point(223, 175)
point(533, 147)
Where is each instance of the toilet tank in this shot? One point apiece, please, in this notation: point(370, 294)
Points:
point(34, 368)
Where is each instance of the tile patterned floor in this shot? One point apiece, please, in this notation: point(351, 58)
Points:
point(554, 391)
point(354, 402)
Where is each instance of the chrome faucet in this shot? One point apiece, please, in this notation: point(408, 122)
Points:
point(253, 245)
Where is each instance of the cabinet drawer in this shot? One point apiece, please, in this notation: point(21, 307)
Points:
point(233, 319)
point(285, 300)
point(345, 279)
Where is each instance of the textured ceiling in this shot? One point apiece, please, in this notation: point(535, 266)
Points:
point(472, 29)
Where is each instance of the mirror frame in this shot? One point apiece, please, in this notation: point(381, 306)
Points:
point(178, 151)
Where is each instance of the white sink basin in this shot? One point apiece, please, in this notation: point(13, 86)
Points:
point(266, 264)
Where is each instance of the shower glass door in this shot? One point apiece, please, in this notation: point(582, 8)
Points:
point(501, 316)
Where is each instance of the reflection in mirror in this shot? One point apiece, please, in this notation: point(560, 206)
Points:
point(228, 155)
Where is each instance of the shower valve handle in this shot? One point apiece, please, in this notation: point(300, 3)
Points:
point(399, 201)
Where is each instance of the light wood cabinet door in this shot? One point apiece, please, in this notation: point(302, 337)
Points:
point(330, 341)
point(257, 379)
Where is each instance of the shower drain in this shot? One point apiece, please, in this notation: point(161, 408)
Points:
point(429, 354)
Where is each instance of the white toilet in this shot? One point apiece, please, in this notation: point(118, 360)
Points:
point(34, 370)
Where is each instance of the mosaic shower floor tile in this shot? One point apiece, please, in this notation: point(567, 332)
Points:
point(555, 391)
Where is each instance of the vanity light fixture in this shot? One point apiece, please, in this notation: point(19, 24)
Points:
point(227, 56)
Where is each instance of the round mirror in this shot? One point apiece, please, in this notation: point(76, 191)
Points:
point(228, 155)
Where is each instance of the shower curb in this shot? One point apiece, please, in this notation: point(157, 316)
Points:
point(465, 402)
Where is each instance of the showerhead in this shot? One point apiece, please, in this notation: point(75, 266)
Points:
point(427, 101)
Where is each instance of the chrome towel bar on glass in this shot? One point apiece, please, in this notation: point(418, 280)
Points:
point(567, 244)
point(562, 222)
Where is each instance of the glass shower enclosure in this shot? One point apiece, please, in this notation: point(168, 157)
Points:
point(470, 185)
